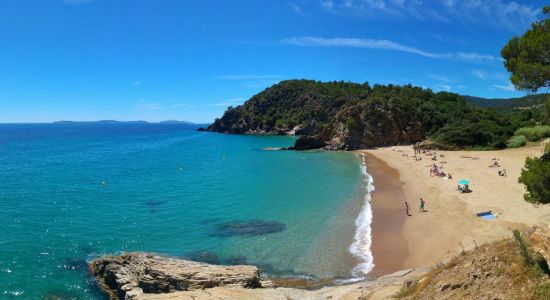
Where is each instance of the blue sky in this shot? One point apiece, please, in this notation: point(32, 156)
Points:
point(190, 59)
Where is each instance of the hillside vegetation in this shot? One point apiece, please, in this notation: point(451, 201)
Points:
point(510, 104)
point(347, 116)
point(506, 269)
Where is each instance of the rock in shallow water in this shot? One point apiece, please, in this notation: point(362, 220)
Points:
point(203, 256)
point(247, 228)
point(133, 274)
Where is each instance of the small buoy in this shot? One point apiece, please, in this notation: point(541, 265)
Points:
point(181, 168)
point(103, 182)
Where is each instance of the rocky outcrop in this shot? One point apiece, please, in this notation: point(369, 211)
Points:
point(369, 125)
point(540, 242)
point(129, 276)
point(144, 276)
point(307, 143)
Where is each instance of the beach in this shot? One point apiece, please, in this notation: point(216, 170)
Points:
point(449, 224)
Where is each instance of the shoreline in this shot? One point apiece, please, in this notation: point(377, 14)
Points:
point(389, 247)
point(450, 225)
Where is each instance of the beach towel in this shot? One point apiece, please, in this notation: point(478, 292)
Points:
point(486, 215)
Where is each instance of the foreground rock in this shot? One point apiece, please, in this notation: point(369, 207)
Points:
point(142, 276)
point(131, 275)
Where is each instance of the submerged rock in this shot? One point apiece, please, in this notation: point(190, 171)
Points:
point(236, 260)
point(131, 275)
point(203, 256)
point(247, 228)
point(75, 264)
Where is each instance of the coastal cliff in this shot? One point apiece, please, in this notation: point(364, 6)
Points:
point(349, 116)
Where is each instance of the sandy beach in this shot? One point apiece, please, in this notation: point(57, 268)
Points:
point(389, 247)
point(450, 223)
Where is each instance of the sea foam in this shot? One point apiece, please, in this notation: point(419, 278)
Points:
point(361, 246)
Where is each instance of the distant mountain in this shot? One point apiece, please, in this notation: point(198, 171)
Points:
point(129, 122)
point(504, 104)
point(100, 122)
point(178, 122)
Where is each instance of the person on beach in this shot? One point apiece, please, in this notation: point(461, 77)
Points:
point(422, 204)
point(407, 209)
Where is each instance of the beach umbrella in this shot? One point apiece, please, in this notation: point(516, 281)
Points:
point(464, 181)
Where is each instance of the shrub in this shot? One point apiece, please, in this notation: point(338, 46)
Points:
point(535, 133)
point(542, 291)
point(523, 248)
point(536, 177)
point(516, 141)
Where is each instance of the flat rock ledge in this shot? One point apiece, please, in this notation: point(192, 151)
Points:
point(130, 276)
point(147, 276)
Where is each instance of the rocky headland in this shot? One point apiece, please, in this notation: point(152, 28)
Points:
point(351, 116)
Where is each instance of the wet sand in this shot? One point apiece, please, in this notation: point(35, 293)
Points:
point(389, 247)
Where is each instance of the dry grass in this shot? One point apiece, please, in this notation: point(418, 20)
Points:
point(497, 269)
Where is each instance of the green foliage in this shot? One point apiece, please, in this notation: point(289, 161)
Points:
point(527, 58)
point(536, 177)
point(511, 104)
point(547, 148)
point(535, 133)
point(542, 291)
point(523, 248)
point(350, 123)
point(516, 141)
point(386, 111)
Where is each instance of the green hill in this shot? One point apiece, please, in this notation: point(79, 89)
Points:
point(347, 116)
point(503, 104)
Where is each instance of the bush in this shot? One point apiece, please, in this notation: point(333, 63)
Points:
point(535, 133)
point(536, 177)
point(523, 248)
point(516, 141)
point(542, 291)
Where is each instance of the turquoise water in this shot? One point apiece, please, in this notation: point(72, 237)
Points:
point(72, 192)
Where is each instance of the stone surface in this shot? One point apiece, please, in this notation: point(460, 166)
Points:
point(143, 276)
point(307, 143)
point(540, 241)
point(131, 275)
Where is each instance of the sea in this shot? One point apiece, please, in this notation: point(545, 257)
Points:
point(71, 192)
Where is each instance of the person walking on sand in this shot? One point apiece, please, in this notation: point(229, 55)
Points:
point(422, 204)
point(407, 209)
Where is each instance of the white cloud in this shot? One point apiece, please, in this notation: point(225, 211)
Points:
point(328, 4)
point(295, 8)
point(442, 87)
point(137, 82)
point(248, 77)
point(76, 2)
point(498, 14)
point(230, 102)
point(480, 74)
point(507, 87)
point(182, 105)
point(144, 104)
point(470, 57)
point(441, 78)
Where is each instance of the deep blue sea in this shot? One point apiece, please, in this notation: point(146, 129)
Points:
point(74, 191)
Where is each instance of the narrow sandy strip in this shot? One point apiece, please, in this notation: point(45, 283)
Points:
point(450, 223)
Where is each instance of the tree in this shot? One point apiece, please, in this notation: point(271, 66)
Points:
point(536, 177)
point(527, 58)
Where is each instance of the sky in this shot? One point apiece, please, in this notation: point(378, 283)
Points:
point(189, 60)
